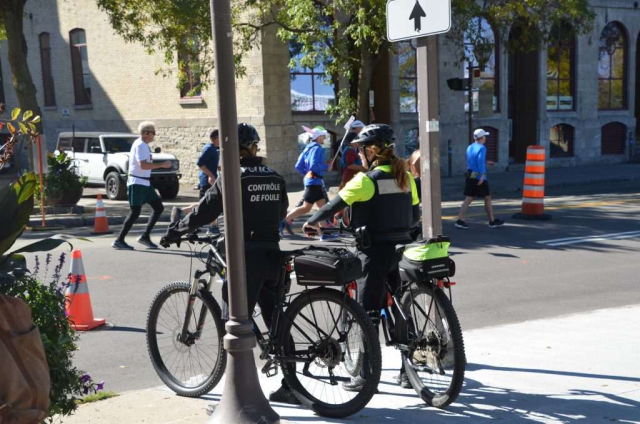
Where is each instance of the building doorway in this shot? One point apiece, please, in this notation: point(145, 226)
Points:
point(523, 95)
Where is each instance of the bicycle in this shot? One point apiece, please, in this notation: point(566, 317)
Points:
point(309, 334)
point(419, 320)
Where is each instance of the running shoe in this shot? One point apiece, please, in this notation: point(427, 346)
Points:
point(146, 241)
point(329, 237)
point(462, 225)
point(496, 223)
point(121, 245)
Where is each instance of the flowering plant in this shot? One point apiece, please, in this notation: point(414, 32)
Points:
point(47, 303)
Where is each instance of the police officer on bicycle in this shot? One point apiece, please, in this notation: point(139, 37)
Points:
point(264, 205)
point(384, 206)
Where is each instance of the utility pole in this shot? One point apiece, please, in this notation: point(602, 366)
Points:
point(429, 113)
point(242, 401)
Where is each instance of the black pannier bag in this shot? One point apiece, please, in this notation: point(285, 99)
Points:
point(320, 266)
point(427, 260)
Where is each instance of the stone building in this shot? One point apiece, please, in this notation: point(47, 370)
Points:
point(578, 98)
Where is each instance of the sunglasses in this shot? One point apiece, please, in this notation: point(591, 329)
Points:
point(150, 132)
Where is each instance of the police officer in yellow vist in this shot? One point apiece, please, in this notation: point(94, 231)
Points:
point(384, 206)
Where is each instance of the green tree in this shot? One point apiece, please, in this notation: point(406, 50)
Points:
point(12, 28)
point(346, 36)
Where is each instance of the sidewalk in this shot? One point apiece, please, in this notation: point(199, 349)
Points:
point(503, 185)
point(581, 367)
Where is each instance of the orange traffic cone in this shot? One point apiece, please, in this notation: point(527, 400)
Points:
point(101, 223)
point(78, 302)
point(533, 189)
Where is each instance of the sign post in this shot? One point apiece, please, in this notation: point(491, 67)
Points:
point(407, 19)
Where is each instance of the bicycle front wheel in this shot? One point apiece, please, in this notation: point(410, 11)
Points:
point(318, 329)
point(435, 365)
point(189, 364)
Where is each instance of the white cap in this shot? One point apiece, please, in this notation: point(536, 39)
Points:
point(316, 132)
point(479, 133)
point(357, 124)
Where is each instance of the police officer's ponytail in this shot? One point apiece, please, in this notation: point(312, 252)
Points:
point(398, 166)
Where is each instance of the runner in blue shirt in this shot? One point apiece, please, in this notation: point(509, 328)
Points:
point(476, 184)
point(312, 166)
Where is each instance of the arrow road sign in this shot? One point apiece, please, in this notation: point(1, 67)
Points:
point(429, 17)
point(417, 14)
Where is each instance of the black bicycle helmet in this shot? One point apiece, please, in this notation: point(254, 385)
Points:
point(247, 135)
point(378, 134)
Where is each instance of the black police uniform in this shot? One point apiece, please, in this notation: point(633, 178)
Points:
point(388, 217)
point(264, 205)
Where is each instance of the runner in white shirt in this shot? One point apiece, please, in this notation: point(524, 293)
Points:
point(139, 187)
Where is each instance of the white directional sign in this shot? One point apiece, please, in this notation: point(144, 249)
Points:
point(408, 19)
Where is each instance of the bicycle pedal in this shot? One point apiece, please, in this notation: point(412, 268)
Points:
point(270, 369)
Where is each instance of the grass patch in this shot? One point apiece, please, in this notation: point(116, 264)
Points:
point(96, 397)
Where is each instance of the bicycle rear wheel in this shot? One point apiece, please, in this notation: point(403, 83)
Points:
point(193, 367)
point(435, 366)
point(313, 338)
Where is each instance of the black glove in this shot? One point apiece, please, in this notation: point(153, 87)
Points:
point(168, 239)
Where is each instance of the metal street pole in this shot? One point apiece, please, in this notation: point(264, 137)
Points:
point(428, 110)
point(242, 400)
point(470, 100)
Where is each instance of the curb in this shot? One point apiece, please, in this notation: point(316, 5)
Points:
point(82, 221)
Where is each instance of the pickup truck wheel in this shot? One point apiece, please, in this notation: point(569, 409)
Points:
point(171, 190)
point(116, 188)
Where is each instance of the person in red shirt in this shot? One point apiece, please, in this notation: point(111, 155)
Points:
point(350, 163)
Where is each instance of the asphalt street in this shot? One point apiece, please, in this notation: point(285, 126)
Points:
point(584, 259)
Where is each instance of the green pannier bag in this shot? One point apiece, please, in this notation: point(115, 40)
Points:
point(427, 260)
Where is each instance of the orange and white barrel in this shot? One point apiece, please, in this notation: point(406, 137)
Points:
point(533, 188)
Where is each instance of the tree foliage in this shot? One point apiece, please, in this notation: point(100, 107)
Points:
point(523, 25)
point(179, 30)
point(345, 36)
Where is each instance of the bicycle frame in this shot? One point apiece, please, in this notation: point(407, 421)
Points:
point(216, 264)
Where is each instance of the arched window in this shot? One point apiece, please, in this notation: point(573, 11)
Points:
point(80, 67)
point(561, 141)
point(613, 138)
point(560, 68)
point(482, 51)
point(407, 71)
point(612, 68)
point(47, 74)
point(491, 144)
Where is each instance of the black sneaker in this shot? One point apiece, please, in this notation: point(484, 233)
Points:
point(462, 225)
point(120, 245)
point(283, 395)
point(403, 380)
point(146, 241)
point(496, 223)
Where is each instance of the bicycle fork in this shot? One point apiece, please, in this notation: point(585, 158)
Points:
point(186, 337)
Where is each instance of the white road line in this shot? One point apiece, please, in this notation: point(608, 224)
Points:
point(588, 239)
point(582, 237)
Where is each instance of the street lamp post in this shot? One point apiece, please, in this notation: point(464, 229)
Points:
point(242, 401)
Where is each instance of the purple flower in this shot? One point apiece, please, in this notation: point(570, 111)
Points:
point(100, 386)
point(86, 390)
point(85, 378)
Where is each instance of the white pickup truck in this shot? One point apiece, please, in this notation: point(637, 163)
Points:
point(103, 158)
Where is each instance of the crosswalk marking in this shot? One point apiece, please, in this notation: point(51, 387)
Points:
point(588, 239)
